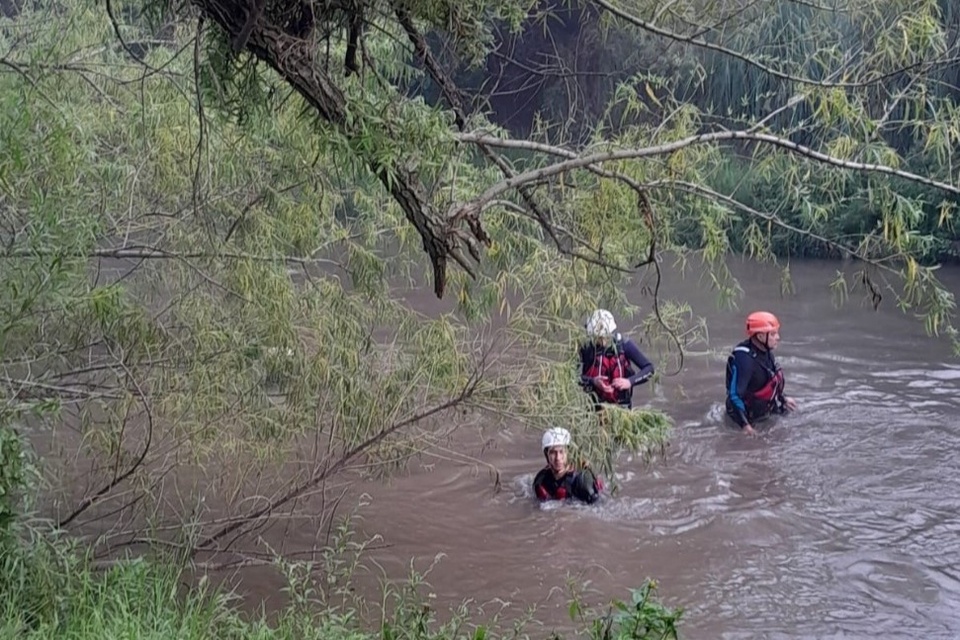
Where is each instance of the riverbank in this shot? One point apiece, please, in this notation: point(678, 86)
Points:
point(51, 589)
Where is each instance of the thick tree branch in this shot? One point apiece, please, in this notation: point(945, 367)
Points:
point(562, 152)
point(584, 161)
point(696, 189)
point(295, 60)
point(148, 253)
point(454, 99)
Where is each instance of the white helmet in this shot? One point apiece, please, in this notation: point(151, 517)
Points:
point(601, 324)
point(555, 437)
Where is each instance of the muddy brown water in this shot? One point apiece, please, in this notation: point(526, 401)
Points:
point(841, 520)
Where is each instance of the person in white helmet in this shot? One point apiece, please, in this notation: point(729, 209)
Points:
point(560, 479)
point(611, 365)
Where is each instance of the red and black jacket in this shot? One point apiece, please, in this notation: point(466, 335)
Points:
point(581, 485)
point(621, 359)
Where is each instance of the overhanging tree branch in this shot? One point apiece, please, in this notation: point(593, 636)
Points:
point(584, 161)
point(326, 471)
point(697, 189)
point(32, 389)
point(697, 41)
point(700, 190)
point(134, 466)
point(148, 253)
point(451, 94)
point(295, 59)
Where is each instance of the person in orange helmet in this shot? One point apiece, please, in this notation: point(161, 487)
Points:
point(754, 380)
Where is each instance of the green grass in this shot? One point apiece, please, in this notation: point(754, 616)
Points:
point(49, 590)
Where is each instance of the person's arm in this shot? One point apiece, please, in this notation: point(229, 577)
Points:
point(740, 365)
point(586, 487)
point(587, 354)
point(644, 366)
point(780, 400)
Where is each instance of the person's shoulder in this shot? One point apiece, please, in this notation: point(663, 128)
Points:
point(745, 347)
point(587, 350)
point(585, 471)
point(632, 348)
point(590, 483)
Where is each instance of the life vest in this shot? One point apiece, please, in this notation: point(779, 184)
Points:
point(609, 363)
point(561, 491)
point(550, 489)
point(773, 389)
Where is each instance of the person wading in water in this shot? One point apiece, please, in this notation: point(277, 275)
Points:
point(561, 480)
point(754, 380)
point(611, 365)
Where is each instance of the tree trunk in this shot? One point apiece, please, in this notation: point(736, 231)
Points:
point(295, 60)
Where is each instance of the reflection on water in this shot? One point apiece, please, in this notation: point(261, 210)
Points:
point(841, 520)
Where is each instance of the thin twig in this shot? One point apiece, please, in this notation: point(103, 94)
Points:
point(91, 500)
point(705, 44)
point(331, 469)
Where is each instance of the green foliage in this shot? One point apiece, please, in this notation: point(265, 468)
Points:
point(12, 478)
point(844, 81)
point(599, 440)
point(226, 295)
point(207, 268)
point(53, 589)
point(640, 618)
point(634, 430)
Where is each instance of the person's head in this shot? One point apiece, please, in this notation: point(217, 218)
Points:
point(764, 329)
point(554, 443)
point(601, 326)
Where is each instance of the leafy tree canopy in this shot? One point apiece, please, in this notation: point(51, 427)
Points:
point(210, 213)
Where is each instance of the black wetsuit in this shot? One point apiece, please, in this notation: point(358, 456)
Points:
point(582, 485)
point(754, 383)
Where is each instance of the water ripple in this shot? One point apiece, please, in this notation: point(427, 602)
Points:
point(841, 520)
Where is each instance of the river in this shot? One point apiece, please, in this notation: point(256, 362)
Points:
point(841, 519)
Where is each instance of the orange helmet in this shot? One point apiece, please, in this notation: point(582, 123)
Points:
point(761, 322)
